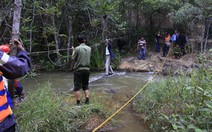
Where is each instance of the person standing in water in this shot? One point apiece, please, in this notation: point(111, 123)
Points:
point(109, 55)
point(166, 45)
point(81, 55)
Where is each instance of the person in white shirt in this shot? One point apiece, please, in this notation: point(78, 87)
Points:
point(109, 55)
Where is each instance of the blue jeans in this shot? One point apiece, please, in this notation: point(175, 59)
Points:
point(8, 125)
point(141, 54)
point(158, 45)
point(165, 50)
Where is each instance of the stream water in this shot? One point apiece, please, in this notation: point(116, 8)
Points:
point(122, 85)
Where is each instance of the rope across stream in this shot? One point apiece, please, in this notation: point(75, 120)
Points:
point(123, 106)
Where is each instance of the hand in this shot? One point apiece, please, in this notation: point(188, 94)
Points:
point(72, 48)
point(107, 40)
point(18, 43)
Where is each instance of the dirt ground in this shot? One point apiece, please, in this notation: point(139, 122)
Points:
point(155, 62)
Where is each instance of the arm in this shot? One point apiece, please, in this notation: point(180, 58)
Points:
point(74, 53)
point(156, 38)
point(109, 48)
point(145, 44)
point(138, 45)
point(15, 66)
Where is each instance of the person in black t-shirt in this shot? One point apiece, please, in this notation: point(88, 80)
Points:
point(181, 42)
point(158, 38)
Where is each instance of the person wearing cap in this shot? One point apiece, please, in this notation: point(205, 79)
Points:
point(11, 67)
point(81, 54)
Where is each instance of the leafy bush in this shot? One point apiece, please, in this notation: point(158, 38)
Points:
point(97, 60)
point(179, 103)
point(43, 110)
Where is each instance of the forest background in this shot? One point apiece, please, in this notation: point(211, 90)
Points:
point(48, 28)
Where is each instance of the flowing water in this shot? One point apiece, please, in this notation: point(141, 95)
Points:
point(121, 85)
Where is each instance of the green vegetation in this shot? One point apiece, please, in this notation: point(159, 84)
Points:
point(44, 110)
point(48, 29)
point(97, 60)
point(179, 103)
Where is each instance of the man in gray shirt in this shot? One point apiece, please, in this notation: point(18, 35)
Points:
point(81, 55)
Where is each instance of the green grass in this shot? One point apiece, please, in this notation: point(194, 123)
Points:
point(45, 111)
point(97, 60)
point(178, 103)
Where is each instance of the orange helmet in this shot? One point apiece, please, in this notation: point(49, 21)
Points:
point(5, 48)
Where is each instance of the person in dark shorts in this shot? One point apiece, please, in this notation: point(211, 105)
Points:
point(81, 55)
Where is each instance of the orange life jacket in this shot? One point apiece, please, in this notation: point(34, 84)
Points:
point(5, 109)
point(167, 38)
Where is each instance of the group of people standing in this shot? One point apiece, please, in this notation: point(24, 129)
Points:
point(178, 40)
point(164, 41)
point(13, 67)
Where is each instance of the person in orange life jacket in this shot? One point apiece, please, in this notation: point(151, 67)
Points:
point(11, 67)
point(109, 55)
point(19, 92)
point(6, 49)
point(142, 48)
point(166, 45)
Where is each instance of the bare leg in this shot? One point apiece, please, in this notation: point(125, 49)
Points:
point(87, 93)
point(77, 95)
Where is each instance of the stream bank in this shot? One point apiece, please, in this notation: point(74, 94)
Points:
point(154, 62)
point(108, 94)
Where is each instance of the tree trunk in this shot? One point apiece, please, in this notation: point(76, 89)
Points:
point(208, 24)
point(104, 27)
point(129, 17)
point(70, 37)
point(104, 33)
point(31, 24)
point(56, 38)
point(15, 35)
point(16, 25)
point(202, 38)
